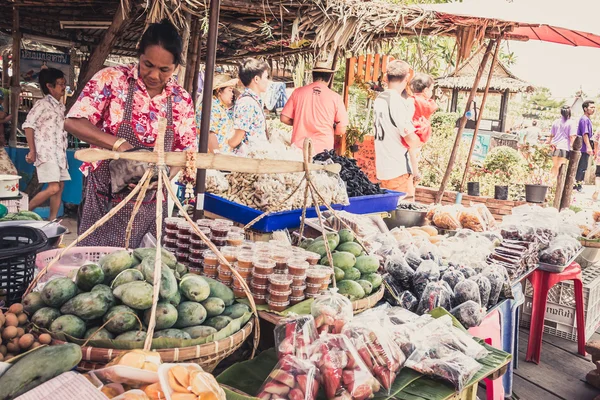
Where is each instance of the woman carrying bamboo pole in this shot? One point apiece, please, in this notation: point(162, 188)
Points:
point(119, 110)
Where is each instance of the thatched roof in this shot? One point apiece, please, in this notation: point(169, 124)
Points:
point(464, 77)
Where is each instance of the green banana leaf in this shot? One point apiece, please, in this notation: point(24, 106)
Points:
point(160, 343)
point(302, 308)
point(248, 376)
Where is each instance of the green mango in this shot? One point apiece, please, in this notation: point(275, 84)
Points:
point(339, 274)
point(86, 306)
point(114, 263)
point(132, 336)
point(374, 278)
point(214, 306)
point(219, 322)
point(89, 276)
point(122, 319)
point(366, 285)
point(129, 275)
point(172, 334)
point(70, 325)
point(346, 236)
point(341, 260)
point(30, 215)
point(351, 274)
point(367, 264)
point(351, 289)
point(102, 334)
point(181, 269)
point(305, 243)
point(195, 288)
point(354, 248)
point(137, 295)
point(168, 282)
point(176, 299)
point(44, 317)
point(236, 310)
point(190, 313)
point(166, 316)
point(199, 331)
point(33, 302)
point(57, 291)
point(150, 252)
point(217, 289)
point(107, 293)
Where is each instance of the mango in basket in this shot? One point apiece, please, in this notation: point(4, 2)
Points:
point(141, 359)
point(154, 392)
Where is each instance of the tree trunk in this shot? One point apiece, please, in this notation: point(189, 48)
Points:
point(574, 157)
point(560, 184)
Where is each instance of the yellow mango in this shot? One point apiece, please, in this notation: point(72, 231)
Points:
point(141, 359)
point(181, 374)
point(154, 392)
point(175, 385)
point(205, 386)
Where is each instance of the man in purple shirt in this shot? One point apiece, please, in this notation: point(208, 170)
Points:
point(584, 129)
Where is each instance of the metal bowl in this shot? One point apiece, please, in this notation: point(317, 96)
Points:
point(406, 218)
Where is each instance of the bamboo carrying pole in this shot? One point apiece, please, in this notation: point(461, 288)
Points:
point(463, 123)
point(481, 108)
point(574, 157)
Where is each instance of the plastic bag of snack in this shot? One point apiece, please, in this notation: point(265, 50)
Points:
point(403, 334)
point(485, 287)
point(293, 379)
point(452, 276)
point(467, 271)
point(497, 280)
point(343, 373)
point(469, 313)
point(436, 294)
point(331, 312)
point(400, 316)
point(446, 217)
point(408, 301)
point(401, 235)
point(466, 290)
point(376, 348)
point(427, 272)
point(294, 335)
point(485, 215)
point(441, 361)
point(429, 251)
point(469, 218)
point(398, 269)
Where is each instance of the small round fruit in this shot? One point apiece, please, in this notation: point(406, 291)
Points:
point(11, 320)
point(26, 341)
point(45, 338)
point(20, 332)
point(16, 309)
point(1, 357)
point(13, 346)
point(3, 350)
point(22, 319)
point(35, 345)
point(2, 320)
point(8, 356)
point(9, 332)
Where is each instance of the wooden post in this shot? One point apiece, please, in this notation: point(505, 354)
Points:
point(480, 116)
point(463, 123)
point(5, 79)
point(186, 44)
point(211, 58)
point(196, 68)
point(192, 55)
point(504, 109)
point(15, 89)
point(101, 51)
point(560, 184)
point(574, 157)
point(348, 78)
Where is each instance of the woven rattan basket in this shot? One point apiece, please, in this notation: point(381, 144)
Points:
point(361, 305)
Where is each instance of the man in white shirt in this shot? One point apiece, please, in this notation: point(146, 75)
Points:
point(393, 122)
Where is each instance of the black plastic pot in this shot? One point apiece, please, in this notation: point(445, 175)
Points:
point(535, 193)
point(354, 148)
point(473, 188)
point(501, 192)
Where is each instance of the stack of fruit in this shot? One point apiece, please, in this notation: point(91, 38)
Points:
point(15, 340)
point(117, 292)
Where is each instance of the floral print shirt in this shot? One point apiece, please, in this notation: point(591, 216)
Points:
point(221, 122)
point(248, 116)
point(47, 119)
point(103, 99)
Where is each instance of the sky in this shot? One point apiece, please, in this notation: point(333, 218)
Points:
point(563, 69)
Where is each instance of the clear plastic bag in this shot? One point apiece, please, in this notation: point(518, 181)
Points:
point(485, 287)
point(413, 257)
point(470, 218)
point(401, 235)
point(402, 334)
point(467, 271)
point(400, 316)
point(469, 313)
point(561, 250)
point(398, 269)
point(376, 348)
point(429, 251)
point(466, 290)
point(442, 331)
point(452, 276)
point(294, 336)
point(343, 373)
point(427, 272)
point(293, 379)
point(331, 312)
point(446, 217)
point(497, 280)
point(436, 294)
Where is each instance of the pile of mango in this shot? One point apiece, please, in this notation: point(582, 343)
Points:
point(117, 292)
point(14, 338)
point(21, 216)
point(355, 271)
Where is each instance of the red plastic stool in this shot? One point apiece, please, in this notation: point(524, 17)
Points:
point(542, 282)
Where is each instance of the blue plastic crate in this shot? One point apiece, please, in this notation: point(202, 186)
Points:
point(374, 203)
point(243, 214)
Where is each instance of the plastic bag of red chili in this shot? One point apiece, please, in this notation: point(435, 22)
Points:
point(331, 312)
point(294, 335)
point(344, 375)
point(292, 379)
point(376, 348)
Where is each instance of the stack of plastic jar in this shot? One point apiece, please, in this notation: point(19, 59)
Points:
point(219, 230)
point(312, 258)
point(263, 268)
point(280, 257)
point(210, 264)
point(316, 278)
point(197, 248)
point(297, 267)
point(279, 291)
point(184, 237)
point(170, 236)
point(224, 271)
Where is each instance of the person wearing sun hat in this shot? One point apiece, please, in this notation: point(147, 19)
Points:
point(315, 111)
point(221, 115)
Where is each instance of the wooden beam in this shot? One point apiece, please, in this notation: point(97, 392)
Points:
point(504, 109)
point(272, 53)
point(481, 109)
point(463, 123)
point(15, 89)
point(574, 156)
point(98, 56)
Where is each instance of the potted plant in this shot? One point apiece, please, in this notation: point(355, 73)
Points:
point(356, 131)
point(473, 183)
point(501, 182)
point(538, 168)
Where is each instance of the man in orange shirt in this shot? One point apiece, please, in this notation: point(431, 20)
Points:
point(316, 112)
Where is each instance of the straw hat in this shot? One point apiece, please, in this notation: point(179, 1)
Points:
point(323, 66)
point(224, 80)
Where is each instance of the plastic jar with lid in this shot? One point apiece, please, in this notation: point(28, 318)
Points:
point(245, 258)
point(210, 258)
point(312, 288)
point(260, 279)
point(172, 233)
point(198, 244)
point(183, 244)
point(204, 222)
point(277, 305)
point(209, 274)
point(236, 283)
point(260, 299)
point(246, 246)
point(223, 221)
point(325, 285)
point(297, 266)
point(312, 258)
point(239, 293)
point(171, 223)
point(184, 228)
point(312, 295)
point(298, 280)
point(219, 230)
point(226, 282)
point(296, 299)
point(244, 272)
point(279, 296)
point(182, 256)
point(203, 229)
point(263, 266)
point(195, 261)
point(218, 241)
point(317, 276)
point(235, 239)
point(256, 288)
point(230, 253)
point(280, 282)
point(170, 241)
point(280, 261)
point(224, 272)
point(298, 290)
point(237, 229)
